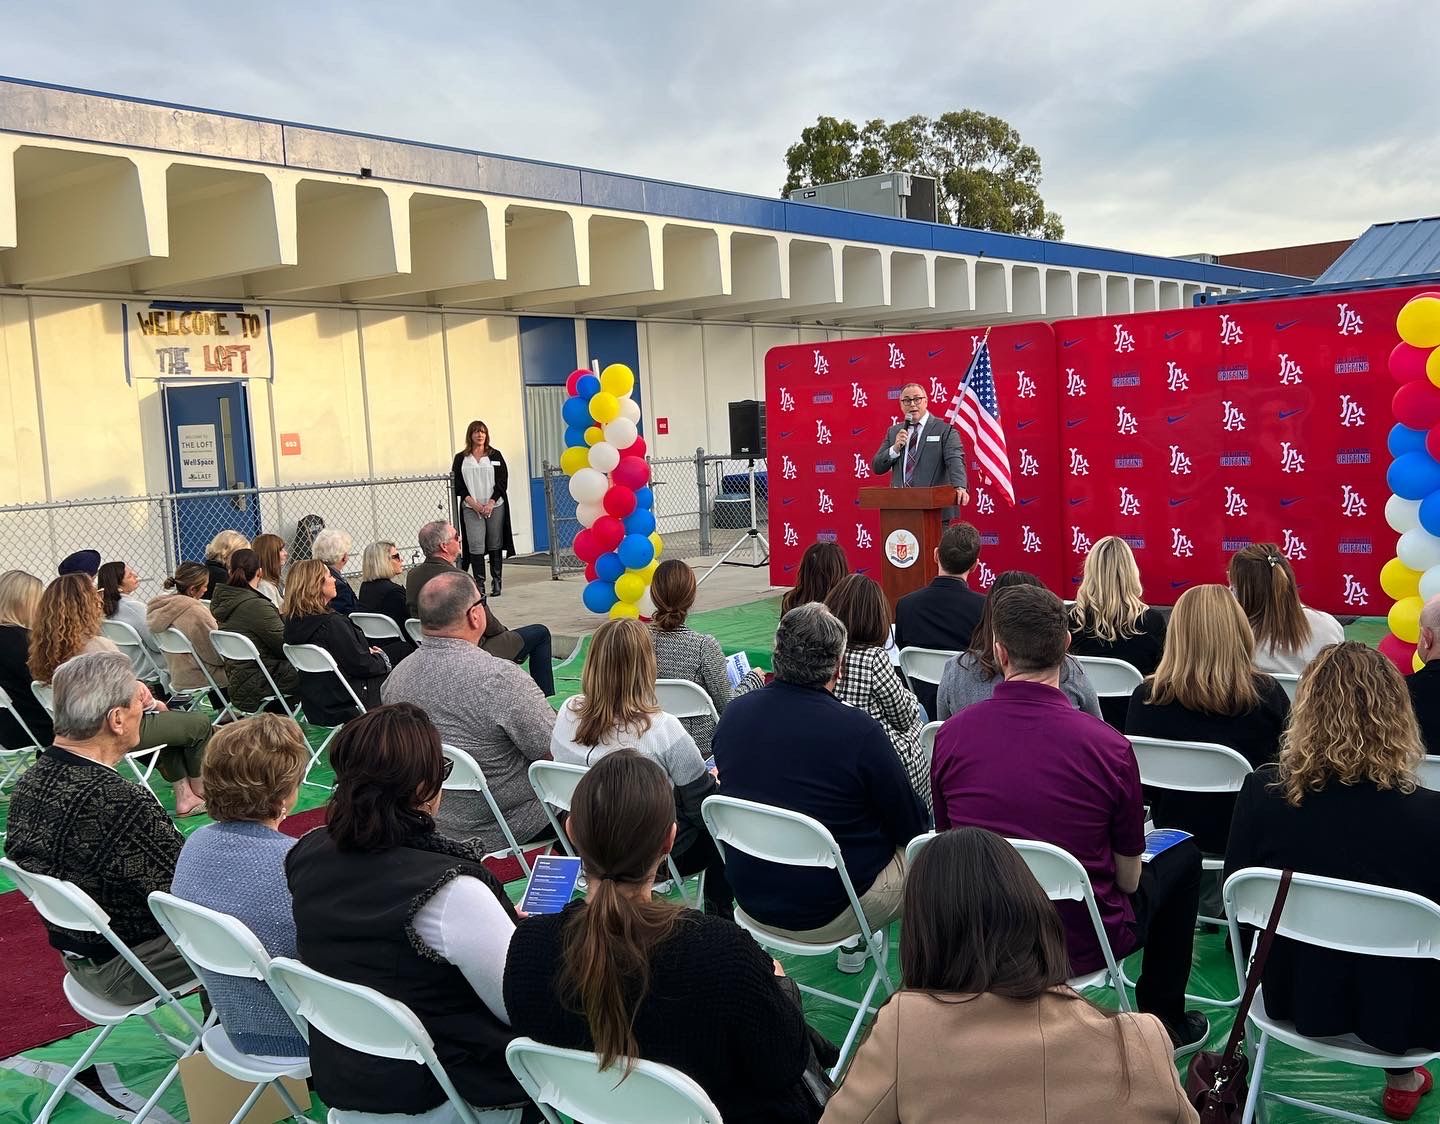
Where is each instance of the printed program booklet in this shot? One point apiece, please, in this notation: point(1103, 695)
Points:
point(1161, 839)
point(736, 668)
point(552, 884)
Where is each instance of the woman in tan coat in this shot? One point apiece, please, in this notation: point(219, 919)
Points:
point(985, 1028)
point(184, 609)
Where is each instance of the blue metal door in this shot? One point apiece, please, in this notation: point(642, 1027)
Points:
point(208, 432)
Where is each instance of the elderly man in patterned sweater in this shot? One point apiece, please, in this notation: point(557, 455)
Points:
point(72, 816)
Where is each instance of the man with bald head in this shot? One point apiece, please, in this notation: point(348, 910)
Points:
point(922, 451)
point(480, 703)
point(1425, 684)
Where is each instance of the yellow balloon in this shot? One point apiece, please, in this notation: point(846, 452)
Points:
point(625, 609)
point(1432, 367)
point(1398, 580)
point(1419, 322)
point(594, 434)
point(657, 542)
point(573, 459)
point(629, 586)
point(647, 575)
point(1405, 619)
point(617, 379)
point(1416, 662)
point(605, 407)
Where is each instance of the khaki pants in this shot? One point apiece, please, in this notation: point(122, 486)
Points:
point(881, 902)
point(116, 981)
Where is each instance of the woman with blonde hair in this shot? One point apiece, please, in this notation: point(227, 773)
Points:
point(272, 554)
point(309, 619)
point(19, 597)
point(1287, 633)
point(217, 558)
point(617, 709)
point(1206, 689)
point(1110, 617)
point(381, 592)
point(1343, 801)
point(182, 606)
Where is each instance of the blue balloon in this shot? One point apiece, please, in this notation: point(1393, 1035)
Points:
point(609, 567)
point(1430, 513)
point(587, 387)
point(640, 522)
point(644, 498)
point(1414, 476)
point(599, 596)
point(1404, 440)
point(574, 437)
point(576, 413)
point(636, 551)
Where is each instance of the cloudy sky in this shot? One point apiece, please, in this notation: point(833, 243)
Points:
point(1164, 128)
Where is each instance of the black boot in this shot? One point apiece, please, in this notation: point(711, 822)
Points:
point(497, 559)
point(477, 567)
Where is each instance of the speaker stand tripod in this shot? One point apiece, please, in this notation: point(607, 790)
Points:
point(752, 536)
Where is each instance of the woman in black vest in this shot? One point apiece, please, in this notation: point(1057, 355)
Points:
point(384, 901)
point(481, 480)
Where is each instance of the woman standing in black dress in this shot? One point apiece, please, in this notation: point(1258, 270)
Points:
point(481, 478)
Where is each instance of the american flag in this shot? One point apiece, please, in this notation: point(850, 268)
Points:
point(976, 411)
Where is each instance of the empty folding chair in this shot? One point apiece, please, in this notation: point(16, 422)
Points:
point(1290, 683)
point(173, 642)
point(467, 776)
point(236, 648)
point(311, 659)
point(916, 845)
point(924, 665)
point(572, 1082)
point(791, 839)
point(44, 695)
point(1111, 678)
point(66, 906)
point(412, 629)
point(217, 942)
point(377, 627)
point(124, 637)
point(684, 699)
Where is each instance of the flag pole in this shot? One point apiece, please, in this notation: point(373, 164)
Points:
point(984, 342)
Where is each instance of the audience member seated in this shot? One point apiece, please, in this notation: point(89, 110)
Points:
point(630, 977)
point(85, 562)
point(683, 653)
point(793, 744)
point(67, 624)
point(381, 593)
point(972, 675)
point(486, 706)
point(272, 552)
point(19, 596)
point(309, 593)
point(821, 566)
point(1110, 617)
point(239, 606)
point(944, 614)
point(1424, 684)
point(217, 559)
point(869, 681)
point(617, 709)
point(236, 866)
point(383, 900)
point(333, 547)
point(1026, 764)
point(1206, 689)
point(441, 544)
point(984, 1009)
point(118, 582)
point(1287, 633)
point(183, 609)
point(74, 817)
point(1343, 802)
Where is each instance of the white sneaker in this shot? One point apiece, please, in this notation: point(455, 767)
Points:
point(851, 961)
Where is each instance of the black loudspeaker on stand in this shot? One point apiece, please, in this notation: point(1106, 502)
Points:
point(747, 439)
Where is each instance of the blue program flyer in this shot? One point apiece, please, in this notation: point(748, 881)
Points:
point(1162, 839)
point(552, 884)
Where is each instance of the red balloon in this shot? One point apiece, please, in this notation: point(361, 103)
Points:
point(572, 383)
point(1416, 405)
point(635, 449)
point(1432, 442)
point(1408, 363)
point(1398, 652)
point(632, 472)
point(590, 574)
point(608, 531)
point(620, 501)
point(586, 548)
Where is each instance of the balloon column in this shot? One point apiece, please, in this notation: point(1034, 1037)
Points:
point(1413, 511)
point(610, 483)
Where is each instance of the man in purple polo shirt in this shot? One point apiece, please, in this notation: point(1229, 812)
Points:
point(1026, 764)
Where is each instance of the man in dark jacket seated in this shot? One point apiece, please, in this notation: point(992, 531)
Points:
point(944, 613)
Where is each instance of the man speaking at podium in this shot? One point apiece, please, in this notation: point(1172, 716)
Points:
point(923, 451)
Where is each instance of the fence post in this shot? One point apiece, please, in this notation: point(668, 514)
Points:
point(700, 490)
point(551, 520)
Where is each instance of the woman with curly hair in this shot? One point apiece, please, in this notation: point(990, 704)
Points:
point(1343, 802)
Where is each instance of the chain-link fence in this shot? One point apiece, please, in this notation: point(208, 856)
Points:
point(155, 533)
point(703, 506)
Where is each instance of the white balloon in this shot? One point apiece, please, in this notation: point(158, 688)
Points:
point(621, 433)
point(604, 456)
point(630, 409)
point(1430, 582)
point(1418, 549)
point(587, 513)
point(1402, 514)
point(588, 486)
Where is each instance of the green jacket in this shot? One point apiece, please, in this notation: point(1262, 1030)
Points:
point(243, 610)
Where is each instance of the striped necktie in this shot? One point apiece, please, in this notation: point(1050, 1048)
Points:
point(912, 453)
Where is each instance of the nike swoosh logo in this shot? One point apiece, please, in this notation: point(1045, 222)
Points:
point(782, 366)
point(1023, 424)
point(1287, 503)
point(1180, 585)
point(857, 432)
point(854, 359)
point(1022, 345)
point(1173, 418)
point(1177, 503)
point(1071, 423)
point(784, 433)
point(1077, 499)
point(932, 354)
point(788, 500)
point(1025, 503)
point(1071, 343)
point(1281, 325)
point(1172, 335)
point(1291, 413)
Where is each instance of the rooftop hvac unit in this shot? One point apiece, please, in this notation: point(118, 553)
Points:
point(897, 194)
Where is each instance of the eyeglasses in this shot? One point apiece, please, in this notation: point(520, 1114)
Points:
point(446, 768)
point(395, 557)
point(912, 400)
point(478, 601)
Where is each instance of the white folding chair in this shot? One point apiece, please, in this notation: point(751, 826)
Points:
point(684, 699)
point(1112, 679)
point(1428, 774)
point(66, 906)
point(1291, 683)
point(361, 1019)
point(311, 659)
point(916, 845)
point(1329, 913)
point(173, 642)
point(377, 627)
point(12, 761)
point(44, 695)
point(1063, 879)
point(927, 742)
point(467, 776)
point(412, 629)
point(124, 637)
point(217, 942)
point(925, 665)
point(234, 647)
point(572, 1082)
point(789, 838)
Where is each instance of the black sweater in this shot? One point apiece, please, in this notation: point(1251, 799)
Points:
point(15, 680)
point(1142, 652)
point(714, 1010)
point(325, 700)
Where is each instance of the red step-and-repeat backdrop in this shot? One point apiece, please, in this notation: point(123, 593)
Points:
point(1190, 433)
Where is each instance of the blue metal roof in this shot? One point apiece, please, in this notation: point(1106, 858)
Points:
point(304, 148)
point(1389, 250)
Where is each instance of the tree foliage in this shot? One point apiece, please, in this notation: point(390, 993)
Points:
point(985, 176)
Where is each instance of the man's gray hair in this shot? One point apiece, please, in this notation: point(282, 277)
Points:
point(433, 536)
point(87, 688)
point(445, 599)
point(331, 545)
point(809, 645)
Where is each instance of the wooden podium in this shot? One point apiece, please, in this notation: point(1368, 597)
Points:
point(910, 529)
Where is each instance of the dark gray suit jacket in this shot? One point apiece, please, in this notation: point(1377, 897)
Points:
point(942, 459)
